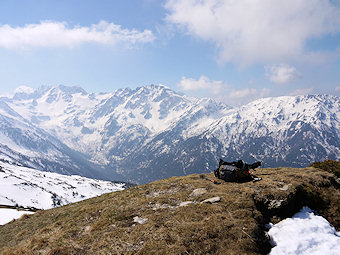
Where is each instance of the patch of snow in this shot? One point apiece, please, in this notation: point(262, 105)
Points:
point(7, 215)
point(28, 187)
point(304, 233)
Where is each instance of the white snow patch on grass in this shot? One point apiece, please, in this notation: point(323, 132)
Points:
point(7, 215)
point(304, 233)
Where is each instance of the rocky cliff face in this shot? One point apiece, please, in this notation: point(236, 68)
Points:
point(179, 215)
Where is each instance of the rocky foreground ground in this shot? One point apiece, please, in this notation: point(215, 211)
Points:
point(179, 215)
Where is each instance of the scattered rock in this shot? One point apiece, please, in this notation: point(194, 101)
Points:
point(158, 206)
point(211, 200)
point(275, 204)
point(285, 187)
point(198, 192)
point(157, 193)
point(186, 203)
point(140, 220)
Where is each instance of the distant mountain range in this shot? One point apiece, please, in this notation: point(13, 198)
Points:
point(152, 132)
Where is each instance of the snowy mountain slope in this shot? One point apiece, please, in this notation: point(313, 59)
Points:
point(284, 130)
point(110, 126)
point(56, 110)
point(152, 132)
point(27, 187)
point(23, 142)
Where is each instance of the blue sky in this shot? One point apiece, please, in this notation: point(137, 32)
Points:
point(233, 51)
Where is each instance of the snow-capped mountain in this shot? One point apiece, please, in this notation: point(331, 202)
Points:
point(23, 142)
point(283, 131)
point(31, 188)
point(152, 132)
point(109, 126)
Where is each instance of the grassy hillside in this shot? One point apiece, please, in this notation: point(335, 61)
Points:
point(152, 219)
point(329, 165)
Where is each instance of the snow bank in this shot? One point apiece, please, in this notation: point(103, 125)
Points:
point(304, 233)
point(7, 215)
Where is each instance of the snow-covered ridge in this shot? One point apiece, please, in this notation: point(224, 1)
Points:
point(91, 123)
point(134, 133)
point(275, 115)
point(27, 187)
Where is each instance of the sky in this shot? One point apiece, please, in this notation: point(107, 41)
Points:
point(232, 51)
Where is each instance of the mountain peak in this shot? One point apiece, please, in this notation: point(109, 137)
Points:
point(72, 90)
point(24, 89)
point(24, 92)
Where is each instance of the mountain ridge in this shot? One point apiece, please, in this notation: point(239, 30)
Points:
point(152, 132)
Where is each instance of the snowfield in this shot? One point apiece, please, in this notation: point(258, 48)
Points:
point(27, 187)
point(7, 215)
point(304, 233)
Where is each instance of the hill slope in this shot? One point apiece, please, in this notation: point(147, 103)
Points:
point(26, 187)
point(168, 216)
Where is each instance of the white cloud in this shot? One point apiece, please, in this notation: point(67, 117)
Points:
point(247, 32)
point(58, 34)
point(337, 88)
point(244, 96)
point(221, 91)
point(243, 93)
point(238, 97)
point(203, 83)
point(300, 92)
point(281, 73)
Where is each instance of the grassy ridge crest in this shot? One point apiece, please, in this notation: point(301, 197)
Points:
point(170, 216)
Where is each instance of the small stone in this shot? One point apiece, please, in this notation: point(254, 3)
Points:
point(186, 203)
point(212, 200)
point(285, 187)
point(140, 220)
point(158, 206)
point(198, 192)
point(274, 204)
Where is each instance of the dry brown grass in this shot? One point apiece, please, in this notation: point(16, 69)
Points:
point(235, 225)
point(329, 165)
